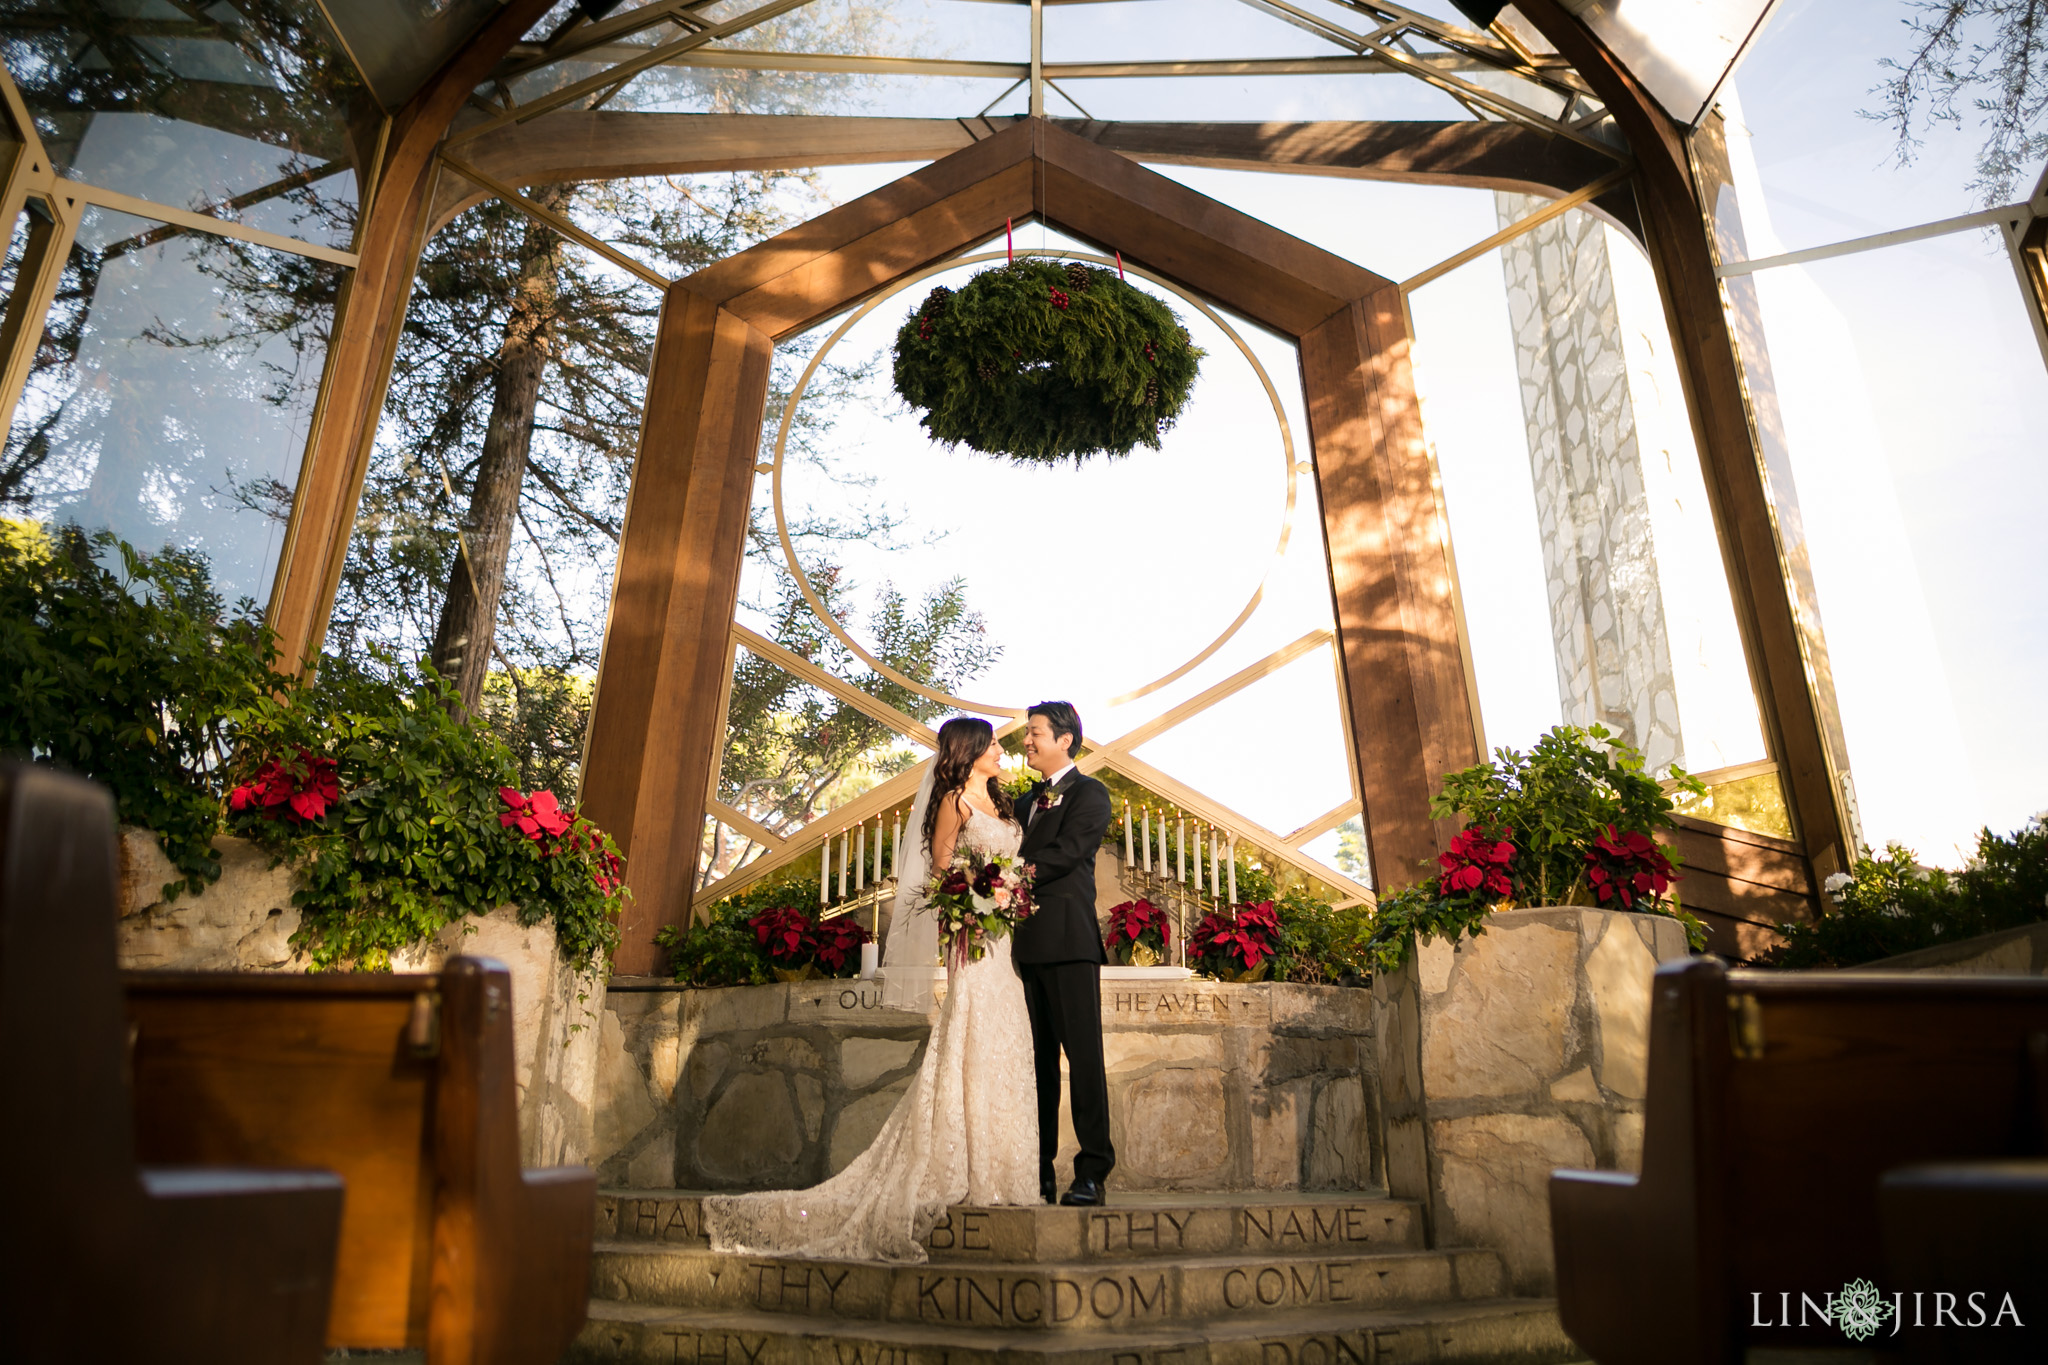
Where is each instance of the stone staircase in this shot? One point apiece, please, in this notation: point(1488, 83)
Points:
point(1230, 1279)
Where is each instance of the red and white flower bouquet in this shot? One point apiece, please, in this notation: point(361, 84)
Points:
point(981, 897)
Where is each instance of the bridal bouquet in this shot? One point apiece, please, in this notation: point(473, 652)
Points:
point(980, 897)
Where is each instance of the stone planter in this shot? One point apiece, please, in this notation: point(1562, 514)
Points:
point(244, 922)
point(1212, 1086)
point(1512, 1054)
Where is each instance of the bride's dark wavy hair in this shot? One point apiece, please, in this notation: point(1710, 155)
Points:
point(962, 740)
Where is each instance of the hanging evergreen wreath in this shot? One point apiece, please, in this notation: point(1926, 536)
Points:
point(1043, 361)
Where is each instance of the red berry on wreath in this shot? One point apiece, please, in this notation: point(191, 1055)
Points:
point(1060, 297)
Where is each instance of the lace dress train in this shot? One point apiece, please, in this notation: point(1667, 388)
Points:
point(966, 1132)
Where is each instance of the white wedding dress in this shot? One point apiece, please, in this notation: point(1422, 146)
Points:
point(966, 1132)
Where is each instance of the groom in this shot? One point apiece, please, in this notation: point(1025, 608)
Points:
point(1058, 950)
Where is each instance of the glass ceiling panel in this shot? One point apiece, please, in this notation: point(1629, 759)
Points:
point(693, 90)
point(225, 111)
point(1681, 49)
point(1828, 173)
point(399, 43)
point(1144, 31)
point(1245, 98)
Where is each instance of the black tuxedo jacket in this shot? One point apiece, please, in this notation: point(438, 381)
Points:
point(1061, 843)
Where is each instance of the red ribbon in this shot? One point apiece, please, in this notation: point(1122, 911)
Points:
point(1009, 233)
point(1119, 265)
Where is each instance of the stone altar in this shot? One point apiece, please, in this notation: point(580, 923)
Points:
point(1509, 1055)
point(1213, 1086)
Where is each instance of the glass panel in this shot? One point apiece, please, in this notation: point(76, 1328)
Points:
point(1199, 98)
point(1136, 31)
point(1228, 750)
point(1680, 49)
point(402, 42)
point(580, 418)
point(1827, 171)
point(1344, 848)
point(172, 393)
point(794, 752)
point(1914, 434)
point(1180, 537)
point(1587, 536)
point(231, 110)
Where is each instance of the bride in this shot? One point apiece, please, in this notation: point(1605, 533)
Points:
point(966, 1132)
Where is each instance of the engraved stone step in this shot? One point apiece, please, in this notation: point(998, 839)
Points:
point(1076, 1296)
point(1177, 1225)
point(1482, 1332)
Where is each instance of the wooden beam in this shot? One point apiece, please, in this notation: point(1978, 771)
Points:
point(746, 824)
point(1230, 686)
point(1397, 627)
point(654, 728)
point(365, 336)
point(577, 145)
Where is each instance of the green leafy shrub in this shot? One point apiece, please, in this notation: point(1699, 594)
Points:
point(1321, 944)
point(1887, 904)
point(725, 949)
point(1571, 822)
point(141, 681)
point(135, 679)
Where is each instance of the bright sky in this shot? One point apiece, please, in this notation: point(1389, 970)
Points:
point(1913, 394)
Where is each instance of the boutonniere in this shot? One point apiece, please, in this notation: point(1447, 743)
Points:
point(1050, 797)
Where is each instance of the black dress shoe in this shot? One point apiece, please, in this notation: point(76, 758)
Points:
point(1084, 1193)
point(1050, 1190)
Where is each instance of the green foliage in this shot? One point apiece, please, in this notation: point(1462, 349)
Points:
point(540, 714)
point(1319, 943)
point(1415, 914)
point(1044, 361)
point(1551, 803)
point(133, 678)
point(416, 841)
point(722, 950)
point(1889, 905)
point(138, 681)
point(1554, 801)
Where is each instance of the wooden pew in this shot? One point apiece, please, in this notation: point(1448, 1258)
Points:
point(1777, 1101)
point(404, 1084)
point(108, 1260)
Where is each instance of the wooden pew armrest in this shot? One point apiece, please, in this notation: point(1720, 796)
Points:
point(1623, 1264)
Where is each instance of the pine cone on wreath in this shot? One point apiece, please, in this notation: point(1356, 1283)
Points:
point(1151, 393)
point(987, 369)
point(1077, 277)
point(935, 302)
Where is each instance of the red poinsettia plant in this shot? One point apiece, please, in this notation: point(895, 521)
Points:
point(1478, 865)
point(1629, 866)
point(1238, 941)
point(539, 818)
point(297, 789)
point(1139, 924)
point(795, 940)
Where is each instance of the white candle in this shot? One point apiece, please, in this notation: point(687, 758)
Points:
point(860, 859)
point(1148, 838)
point(1233, 872)
point(878, 850)
point(1128, 861)
point(1180, 851)
point(870, 958)
point(1198, 860)
point(845, 843)
point(1215, 865)
point(896, 848)
point(824, 871)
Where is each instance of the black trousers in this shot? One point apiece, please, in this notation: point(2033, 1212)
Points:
point(1064, 1000)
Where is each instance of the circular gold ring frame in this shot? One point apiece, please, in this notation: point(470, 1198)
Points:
point(831, 623)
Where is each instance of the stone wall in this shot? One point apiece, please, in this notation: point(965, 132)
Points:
point(244, 922)
point(1512, 1054)
point(1212, 1086)
point(2010, 952)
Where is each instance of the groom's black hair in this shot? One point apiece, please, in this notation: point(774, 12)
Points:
point(1063, 719)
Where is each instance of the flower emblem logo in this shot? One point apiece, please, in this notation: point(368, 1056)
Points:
point(1860, 1310)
